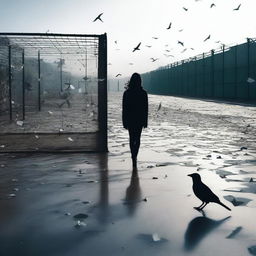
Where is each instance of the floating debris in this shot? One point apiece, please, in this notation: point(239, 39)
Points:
point(67, 213)
point(14, 180)
point(251, 180)
point(86, 202)
point(150, 166)
point(234, 232)
point(36, 136)
point(243, 148)
point(2, 165)
point(61, 130)
point(145, 199)
point(19, 123)
point(155, 178)
point(70, 139)
point(50, 112)
point(15, 189)
point(12, 195)
point(219, 157)
point(165, 176)
point(2, 146)
point(92, 181)
point(81, 216)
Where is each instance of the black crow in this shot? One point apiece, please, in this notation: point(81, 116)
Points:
point(204, 193)
point(213, 5)
point(118, 75)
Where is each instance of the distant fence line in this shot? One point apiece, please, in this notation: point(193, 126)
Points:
point(226, 73)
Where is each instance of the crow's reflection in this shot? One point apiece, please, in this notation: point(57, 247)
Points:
point(198, 228)
point(133, 193)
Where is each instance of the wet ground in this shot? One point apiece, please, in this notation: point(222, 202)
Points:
point(94, 204)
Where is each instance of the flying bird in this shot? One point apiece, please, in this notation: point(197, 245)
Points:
point(192, 48)
point(217, 42)
point(98, 18)
point(204, 193)
point(181, 30)
point(155, 37)
point(170, 25)
point(213, 5)
point(207, 38)
point(184, 50)
point(118, 74)
point(137, 48)
point(149, 46)
point(184, 8)
point(115, 42)
point(181, 43)
point(237, 8)
point(131, 63)
point(153, 60)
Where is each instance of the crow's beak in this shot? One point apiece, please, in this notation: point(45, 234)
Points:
point(189, 175)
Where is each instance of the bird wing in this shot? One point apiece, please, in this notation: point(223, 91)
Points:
point(204, 193)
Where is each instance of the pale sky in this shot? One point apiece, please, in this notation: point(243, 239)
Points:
point(133, 21)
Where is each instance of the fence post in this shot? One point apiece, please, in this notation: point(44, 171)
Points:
point(102, 93)
point(235, 48)
point(223, 70)
point(39, 82)
point(204, 86)
point(212, 73)
point(248, 67)
point(23, 84)
point(10, 80)
point(195, 62)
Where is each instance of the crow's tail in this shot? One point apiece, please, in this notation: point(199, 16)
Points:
point(224, 205)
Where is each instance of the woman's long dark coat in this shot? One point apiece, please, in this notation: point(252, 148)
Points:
point(135, 108)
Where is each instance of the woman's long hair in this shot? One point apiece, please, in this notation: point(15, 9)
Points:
point(135, 81)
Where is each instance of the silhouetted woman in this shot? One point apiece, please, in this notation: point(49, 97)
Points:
point(135, 113)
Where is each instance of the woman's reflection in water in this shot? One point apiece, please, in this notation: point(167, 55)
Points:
point(133, 193)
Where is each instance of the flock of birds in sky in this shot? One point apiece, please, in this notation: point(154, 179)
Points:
point(167, 54)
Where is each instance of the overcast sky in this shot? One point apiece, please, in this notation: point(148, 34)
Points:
point(132, 21)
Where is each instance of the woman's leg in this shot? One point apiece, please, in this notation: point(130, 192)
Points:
point(137, 135)
point(134, 134)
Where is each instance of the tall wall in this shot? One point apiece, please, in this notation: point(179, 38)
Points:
point(219, 74)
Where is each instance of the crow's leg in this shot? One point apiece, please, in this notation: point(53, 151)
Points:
point(199, 207)
point(203, 206)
